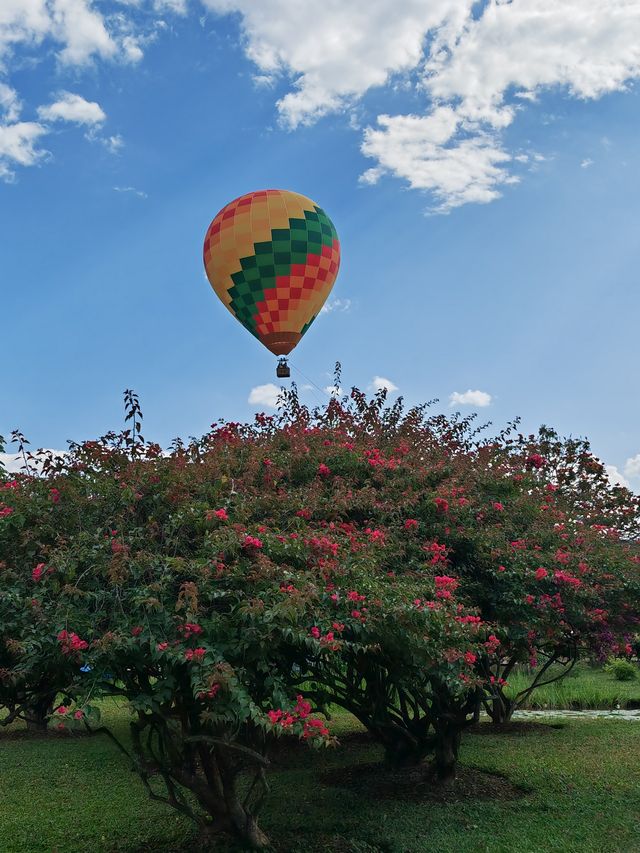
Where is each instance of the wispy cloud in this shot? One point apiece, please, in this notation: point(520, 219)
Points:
point(132, 190)
point(336, 305)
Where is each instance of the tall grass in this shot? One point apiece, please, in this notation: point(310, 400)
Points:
point(584, 688)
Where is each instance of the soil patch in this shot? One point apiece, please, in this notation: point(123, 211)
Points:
point(418, 785)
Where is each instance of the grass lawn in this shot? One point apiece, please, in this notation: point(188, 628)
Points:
point(583, 688)
point(574, 788)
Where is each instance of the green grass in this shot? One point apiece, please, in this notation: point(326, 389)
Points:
point(584, 687)
point(582, 783)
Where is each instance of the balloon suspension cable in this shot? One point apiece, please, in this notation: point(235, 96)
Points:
point(310, 381)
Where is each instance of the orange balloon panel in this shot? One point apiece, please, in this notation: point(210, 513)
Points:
point(272, 257)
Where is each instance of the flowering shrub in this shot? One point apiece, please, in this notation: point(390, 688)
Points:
point(392, 562)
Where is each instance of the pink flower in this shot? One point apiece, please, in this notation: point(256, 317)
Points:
point(492, 644)
point(355, 596)
point(535, 460)
point(564, 577)
point(71, 642)
point(195, 654)
point(445, 586)
point(54, 494)
point(79, 714)
point(162, 647)
point(221, 514)
point(303, 708)
point(136, 631)
point(323, 470)
point(314, 728)
point(252, 543)
point(315, 632)
point(541, 573)
point(5, 511)
point(62, 709)
point(410, 524)
point(470, 658)
point(36, 574)
point(498, 506)
point(303, 513)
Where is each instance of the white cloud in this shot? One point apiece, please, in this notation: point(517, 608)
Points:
point(337, 305)
point(616, 477)
point(425, 151)
point(632, 466)
point(14, 463)
point(586, 163)
point(379, 382)
point(265, 395)
point(355, 46)
point(470, 398)
point(18, 146)
point(73, 108)
point(80, 33)
point(177, 7)
point(333, 390)
point(475, 66)
point(113, 144)
point(10, 105)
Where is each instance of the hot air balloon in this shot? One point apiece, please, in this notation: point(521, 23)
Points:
point(272, 257)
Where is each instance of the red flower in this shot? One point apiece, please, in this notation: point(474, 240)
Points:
point(252, 543)
point(541, 573)
point(221, 514)
point(445, 586)
point(195, 654)
point(162, 647)
point(492, 644)
point(315, 632)
point(410, 524)
point(54, 494)
point(323, 470)
point(37, 573)
point(442, 504)
point(535, 460)
point(71, 642)
point(470, 658)
point(135, 632)
point(498, 506)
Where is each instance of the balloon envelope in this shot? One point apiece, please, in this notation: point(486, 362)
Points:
point(272, 258)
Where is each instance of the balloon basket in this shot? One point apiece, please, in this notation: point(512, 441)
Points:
point(282, 370)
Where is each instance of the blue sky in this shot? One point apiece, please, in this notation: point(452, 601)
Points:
point(480, 162)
